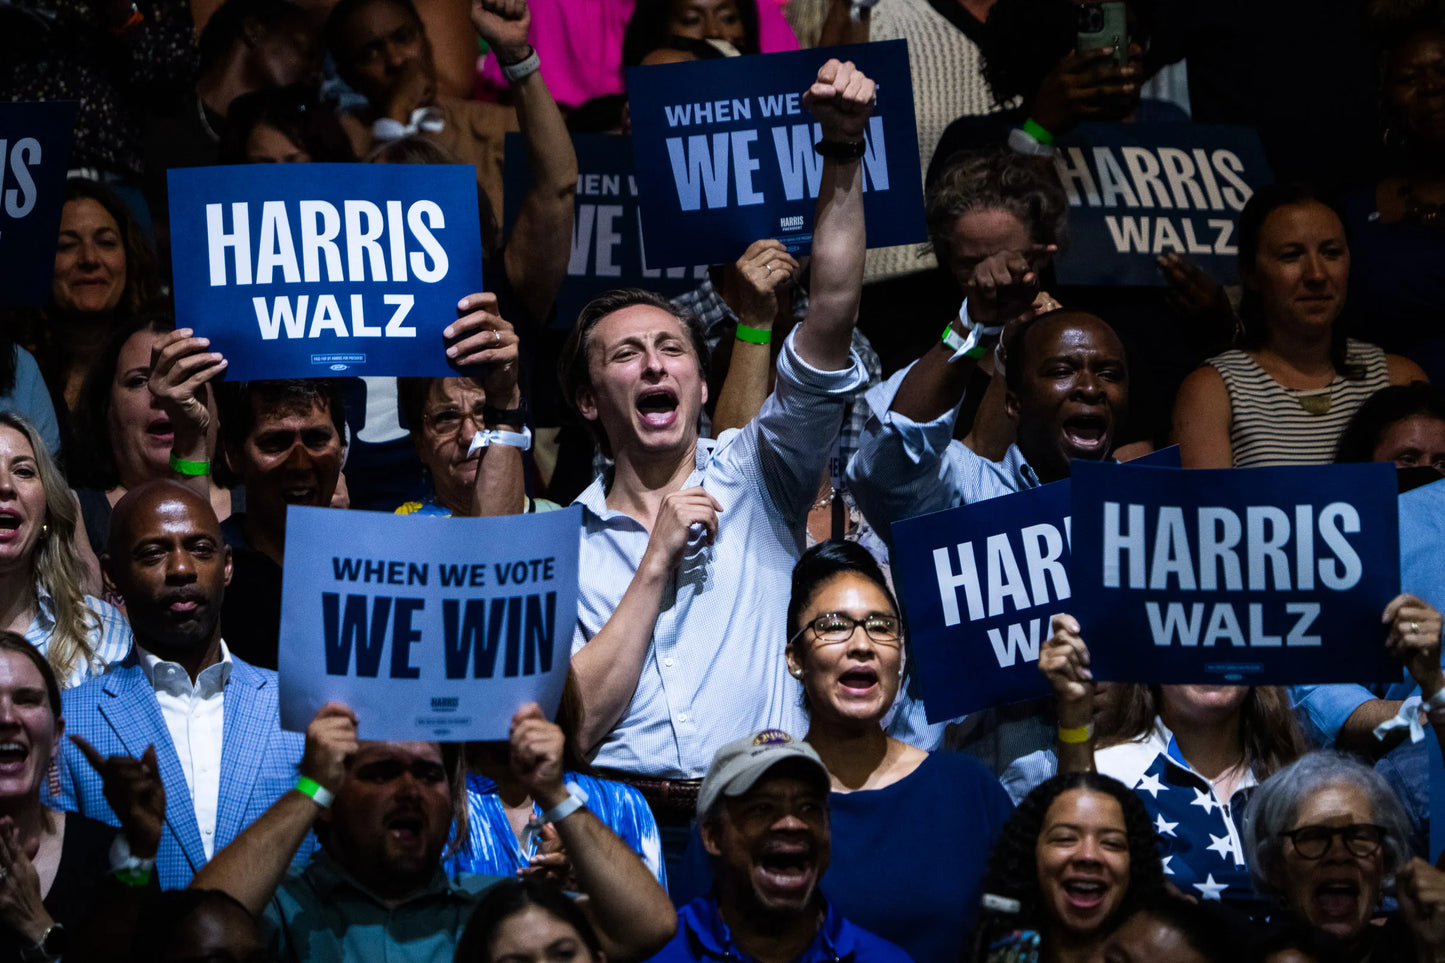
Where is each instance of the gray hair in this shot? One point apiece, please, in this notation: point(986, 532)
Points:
point(1275, 805)
point(998, 179)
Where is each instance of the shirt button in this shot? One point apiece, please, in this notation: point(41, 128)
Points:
point(667, 662)
point(682, 717)
point(208, 831)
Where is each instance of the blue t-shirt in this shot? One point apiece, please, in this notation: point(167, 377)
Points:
point(702, 935)
point(908, 859)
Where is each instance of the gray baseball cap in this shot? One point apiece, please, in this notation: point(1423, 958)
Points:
point(741, 763)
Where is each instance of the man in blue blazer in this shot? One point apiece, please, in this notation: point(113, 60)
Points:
point(212, 717)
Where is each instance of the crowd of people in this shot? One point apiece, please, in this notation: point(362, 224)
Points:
point(741, 768)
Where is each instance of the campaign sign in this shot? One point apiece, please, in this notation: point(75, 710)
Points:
point(34, 155)
point(430, 628)
point(979, 585)
point(1437, 795)
point(1259, 576)
point(607, 246)
point(724, 151)
point(318, 270)
point(1137, 191)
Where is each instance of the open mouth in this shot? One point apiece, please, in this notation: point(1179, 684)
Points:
point(657, 406)
point(161, 429)
point(1085, 894)
point(1087, 434)
point(9, 523)
point(787, 869)
point(299, 495)
point(860, 680)
point(1337, 899)
point(405, 829)
point(13, 756)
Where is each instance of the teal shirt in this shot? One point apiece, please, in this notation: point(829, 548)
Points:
point(323, 914)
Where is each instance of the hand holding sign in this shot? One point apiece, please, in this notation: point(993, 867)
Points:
point(483, 337)
point(181, 368)
point(135, 793)
point(841, 101)
point(1414, 638)
point(537, 755)
point(764, 268)
point(503, 24)
point(1064, 661)
point(330, 741)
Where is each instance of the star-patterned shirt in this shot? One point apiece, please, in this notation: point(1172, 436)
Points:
point(1199, 840)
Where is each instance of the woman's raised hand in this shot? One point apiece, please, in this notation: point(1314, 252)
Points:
point(1064, 661)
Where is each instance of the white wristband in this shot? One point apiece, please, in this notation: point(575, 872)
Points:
point(575, 800)
point(522, 69)
point(500, 436)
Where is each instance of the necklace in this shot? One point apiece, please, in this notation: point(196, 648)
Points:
point(1317, 404)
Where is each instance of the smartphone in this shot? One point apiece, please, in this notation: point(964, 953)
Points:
point(999, 938)
point(1104, 25)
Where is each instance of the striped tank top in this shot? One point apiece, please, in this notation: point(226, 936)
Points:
point(1274, 425)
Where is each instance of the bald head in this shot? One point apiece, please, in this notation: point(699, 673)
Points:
point(169, 563)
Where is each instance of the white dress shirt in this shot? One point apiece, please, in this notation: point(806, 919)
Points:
point(194, 715)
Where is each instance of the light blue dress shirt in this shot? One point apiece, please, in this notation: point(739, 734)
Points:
point(906, 468)
point(715, 670)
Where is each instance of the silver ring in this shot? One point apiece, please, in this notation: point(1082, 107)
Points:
point(769, 266)
point(498, 335)
point(1414, 626)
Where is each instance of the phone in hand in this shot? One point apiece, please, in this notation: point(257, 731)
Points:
point(999, 937)
point(1103, 24)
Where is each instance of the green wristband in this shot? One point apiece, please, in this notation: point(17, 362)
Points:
point(754, 335)
point(1036, 130)
point(135, 878)
point(319, 794)
point(195, 469)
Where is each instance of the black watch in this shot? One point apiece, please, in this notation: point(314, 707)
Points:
point(50, 946)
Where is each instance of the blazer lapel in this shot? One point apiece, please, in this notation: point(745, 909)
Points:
point(243, 747)
point(135, 717)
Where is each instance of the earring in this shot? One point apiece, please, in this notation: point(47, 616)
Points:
point(44, 529)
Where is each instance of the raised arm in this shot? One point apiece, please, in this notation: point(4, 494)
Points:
point(841, 101)
point(541, 240)
point(253, 865)
point(609, 665)
point(1064, 660)
point(182, 366)
point(764, 268)
point(483, 337)
point(631, 911)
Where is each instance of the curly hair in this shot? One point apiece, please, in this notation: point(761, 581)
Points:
point(998, 179)
point(1383, 410)
point(1013, 864)
point(1271, 734)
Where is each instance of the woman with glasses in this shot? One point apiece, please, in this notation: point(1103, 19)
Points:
point(911, 830)
point(1325, 834)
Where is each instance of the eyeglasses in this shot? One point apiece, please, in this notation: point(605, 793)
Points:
point(1312, 842)
point(448, 420)
point(833, 628)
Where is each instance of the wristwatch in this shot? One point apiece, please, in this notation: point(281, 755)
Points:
point(50, 946)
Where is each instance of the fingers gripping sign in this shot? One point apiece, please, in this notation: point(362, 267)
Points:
point(330, 743)
point(841, 100)
point(1064, 661)
point(135, 793)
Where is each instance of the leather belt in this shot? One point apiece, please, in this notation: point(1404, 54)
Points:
point(673, 801)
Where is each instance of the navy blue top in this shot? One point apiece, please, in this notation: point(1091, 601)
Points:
point(908, 859)
point(702, 935)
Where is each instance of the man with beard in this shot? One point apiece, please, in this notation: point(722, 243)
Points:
point(384, 811)
point(211, 717)
point(763, 814)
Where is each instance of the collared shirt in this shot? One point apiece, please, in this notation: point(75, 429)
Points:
point(715, 668)
point(906, 468)
point(719, 322)
point(702, 935)
point(194, 714)
point(492, 848)
point(324, 914)
point(109, 636)
point(1199, 839)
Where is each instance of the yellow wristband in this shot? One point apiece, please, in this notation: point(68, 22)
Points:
point(1077, 735)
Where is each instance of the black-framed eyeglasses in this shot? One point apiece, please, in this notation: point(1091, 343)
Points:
point(832, 628)
point(1312, 842)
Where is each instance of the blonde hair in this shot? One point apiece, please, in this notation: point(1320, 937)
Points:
point(58, 568)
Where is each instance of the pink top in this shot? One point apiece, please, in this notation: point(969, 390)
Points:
point(580, 46)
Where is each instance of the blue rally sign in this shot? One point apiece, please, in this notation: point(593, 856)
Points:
point(430, 628)
point(980, 584)
point(34, 154)
point(608, 250)
point(1258, 576)
point(317, 270)
point(1137, 191)
point(724, 151)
